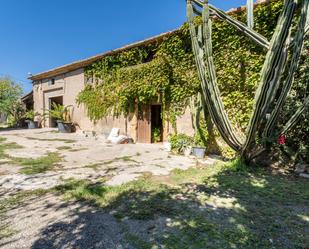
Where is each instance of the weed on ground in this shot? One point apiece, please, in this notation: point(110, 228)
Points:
point(7, 146)
point(77, 149)
point(42, 164)
point(67, 141)
point(29, 166)
point(64, 148)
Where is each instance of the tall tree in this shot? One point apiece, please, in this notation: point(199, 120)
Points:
point(10, 93)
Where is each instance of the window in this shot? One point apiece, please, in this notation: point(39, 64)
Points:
point(51, 82)
point(89, 80)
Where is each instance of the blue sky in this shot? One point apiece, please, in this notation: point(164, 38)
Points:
point(37, 35)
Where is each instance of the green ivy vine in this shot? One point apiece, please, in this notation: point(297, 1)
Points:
point(165, 72)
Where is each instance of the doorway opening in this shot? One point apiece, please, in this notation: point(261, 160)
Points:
point(156, 124)
point(59, 101)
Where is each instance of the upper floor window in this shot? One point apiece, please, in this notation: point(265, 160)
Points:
point(89, 80)
point(51, 82)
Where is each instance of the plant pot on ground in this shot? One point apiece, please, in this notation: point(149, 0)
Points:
point(64, 127)
point(199, 152)
point(29, 117)
point(62, 115)
point(199, 145)
point(32, 124)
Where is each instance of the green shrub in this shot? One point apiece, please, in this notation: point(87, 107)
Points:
point(180, 142)
point(60, 112)
point(30, 115)
point(156, 135)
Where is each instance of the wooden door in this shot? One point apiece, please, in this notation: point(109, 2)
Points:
point(144, 125)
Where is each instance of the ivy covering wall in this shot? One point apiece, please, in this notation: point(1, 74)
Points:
point(162, 72)
point(165, 71)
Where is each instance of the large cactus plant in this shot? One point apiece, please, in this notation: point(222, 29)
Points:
point(276, 78)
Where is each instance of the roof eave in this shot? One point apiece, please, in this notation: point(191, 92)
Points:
point(86, 62)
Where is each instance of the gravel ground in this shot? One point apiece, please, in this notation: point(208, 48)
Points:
point(50, 222)
point(84, 158)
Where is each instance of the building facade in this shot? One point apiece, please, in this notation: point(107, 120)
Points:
point(63, 84)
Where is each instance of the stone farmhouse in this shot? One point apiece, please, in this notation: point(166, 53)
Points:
point(62, 85)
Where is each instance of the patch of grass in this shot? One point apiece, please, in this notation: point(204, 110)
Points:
point(7, 146)
point(237, 165)
point(137, 242)
point(3, 126)
point(67, 141)
point(109, 162)
point(30, 165)
point(110, 170)
point(17, 199)
point(142, 205)
point(160, 166)
point(6, 231)
point(64, 148)
point(224, 206)
point(78, 149)
point(2, 139)
point(125, 159)
point(94, 166)
point(38, 165)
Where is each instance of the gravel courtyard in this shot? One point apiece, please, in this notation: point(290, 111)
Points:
point(78, 157)
point(82, 157)
point(76, 192)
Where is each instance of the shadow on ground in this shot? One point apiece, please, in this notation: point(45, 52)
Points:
point(227, 210)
